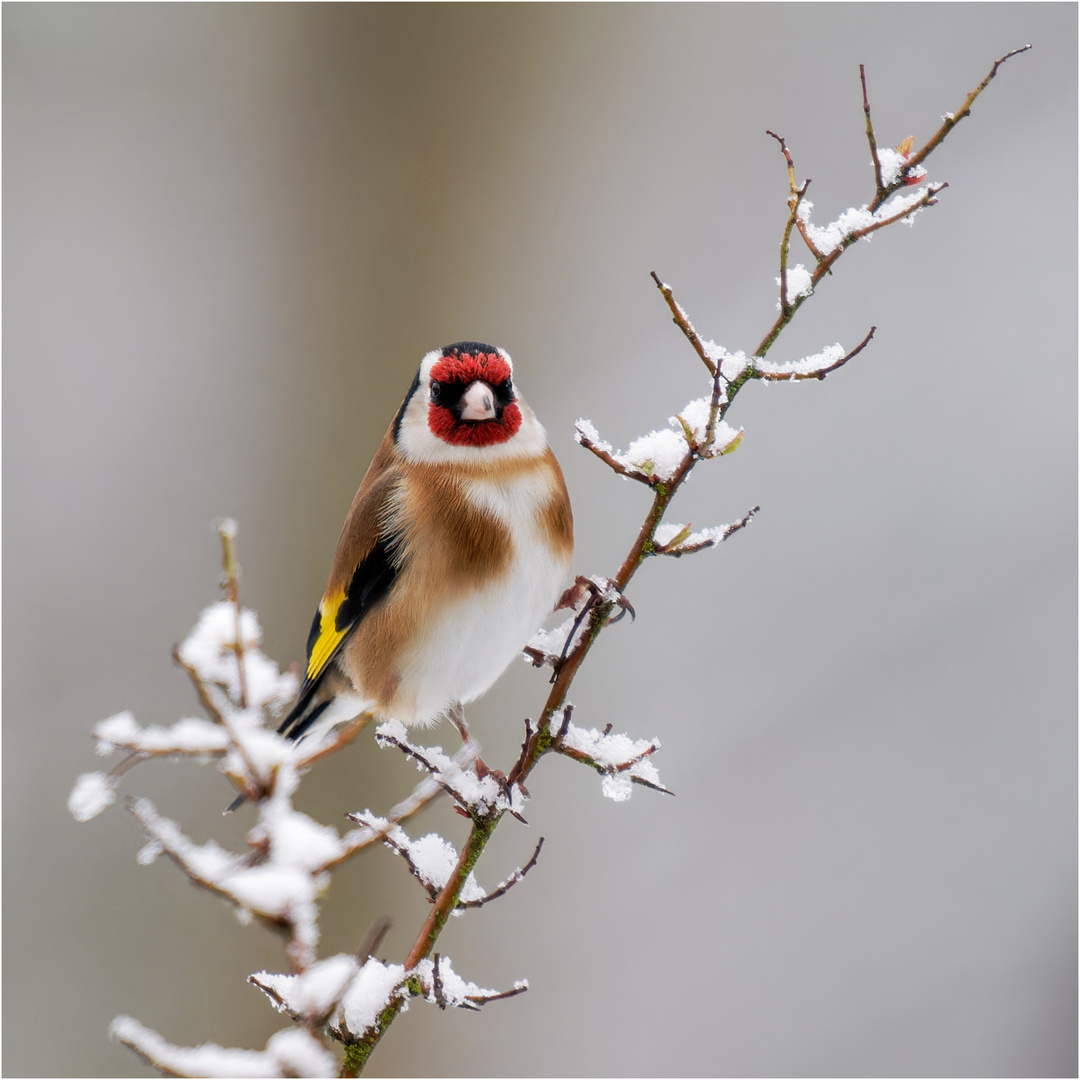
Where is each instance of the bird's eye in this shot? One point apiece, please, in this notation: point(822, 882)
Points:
point(508, 386)
point(436, 390)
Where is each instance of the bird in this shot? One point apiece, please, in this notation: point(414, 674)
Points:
point(454, 550)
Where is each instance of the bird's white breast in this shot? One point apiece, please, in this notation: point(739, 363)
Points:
point(470, 643)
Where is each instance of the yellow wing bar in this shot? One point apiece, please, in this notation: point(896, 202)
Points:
point(329, 635)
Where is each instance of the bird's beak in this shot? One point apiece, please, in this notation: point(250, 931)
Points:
point(478, 402)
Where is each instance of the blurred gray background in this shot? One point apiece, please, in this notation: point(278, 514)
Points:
point(230, 234)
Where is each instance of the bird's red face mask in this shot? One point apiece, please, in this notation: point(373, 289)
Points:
point(472, 400)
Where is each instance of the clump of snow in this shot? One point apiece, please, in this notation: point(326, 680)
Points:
point(149, 853)
point(479, 794)
point(616, 786)
point(696, 416)
point(657, 457)
point(659, 454)
point(730, 365)
point(191, 736)
point(586, 430)
point(293, 1052)
point(93, 792)
point(620, 758)
point(373, 988)
point(552, 642)
point(828, 238)
point(891, 163)
point(452, 989)
point(210, 649)
point(433, 859)
point(256, 749)
point(654, 457)
point(668, 532)
point(800, 282)
point(294, 838)
point(808, 365)
point(314, 992)
point(283, 888)
point(608, 751)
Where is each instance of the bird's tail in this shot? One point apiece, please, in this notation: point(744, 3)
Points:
point(327, 706)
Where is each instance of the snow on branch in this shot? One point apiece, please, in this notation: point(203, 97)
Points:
point(594, 601)
point(292, 1052)
point(478, 795)
point(677, 540)
point(620, 760)
point(279, 882)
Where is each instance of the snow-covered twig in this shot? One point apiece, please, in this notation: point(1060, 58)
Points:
point(292, 1052)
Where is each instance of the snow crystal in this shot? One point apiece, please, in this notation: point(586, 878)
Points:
point(288, 1053)
point(92, 793)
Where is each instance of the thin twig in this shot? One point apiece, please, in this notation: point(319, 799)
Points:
point(610, 460)
point(817, 373)
point(507, 885)
point(483, 999)
point(870, 133)
point(227, 531)
point(949, 121)
point(683, 323)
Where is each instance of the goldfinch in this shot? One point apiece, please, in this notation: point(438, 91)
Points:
point(455, 549)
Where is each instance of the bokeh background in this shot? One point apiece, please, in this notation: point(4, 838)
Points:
point(231, 231)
